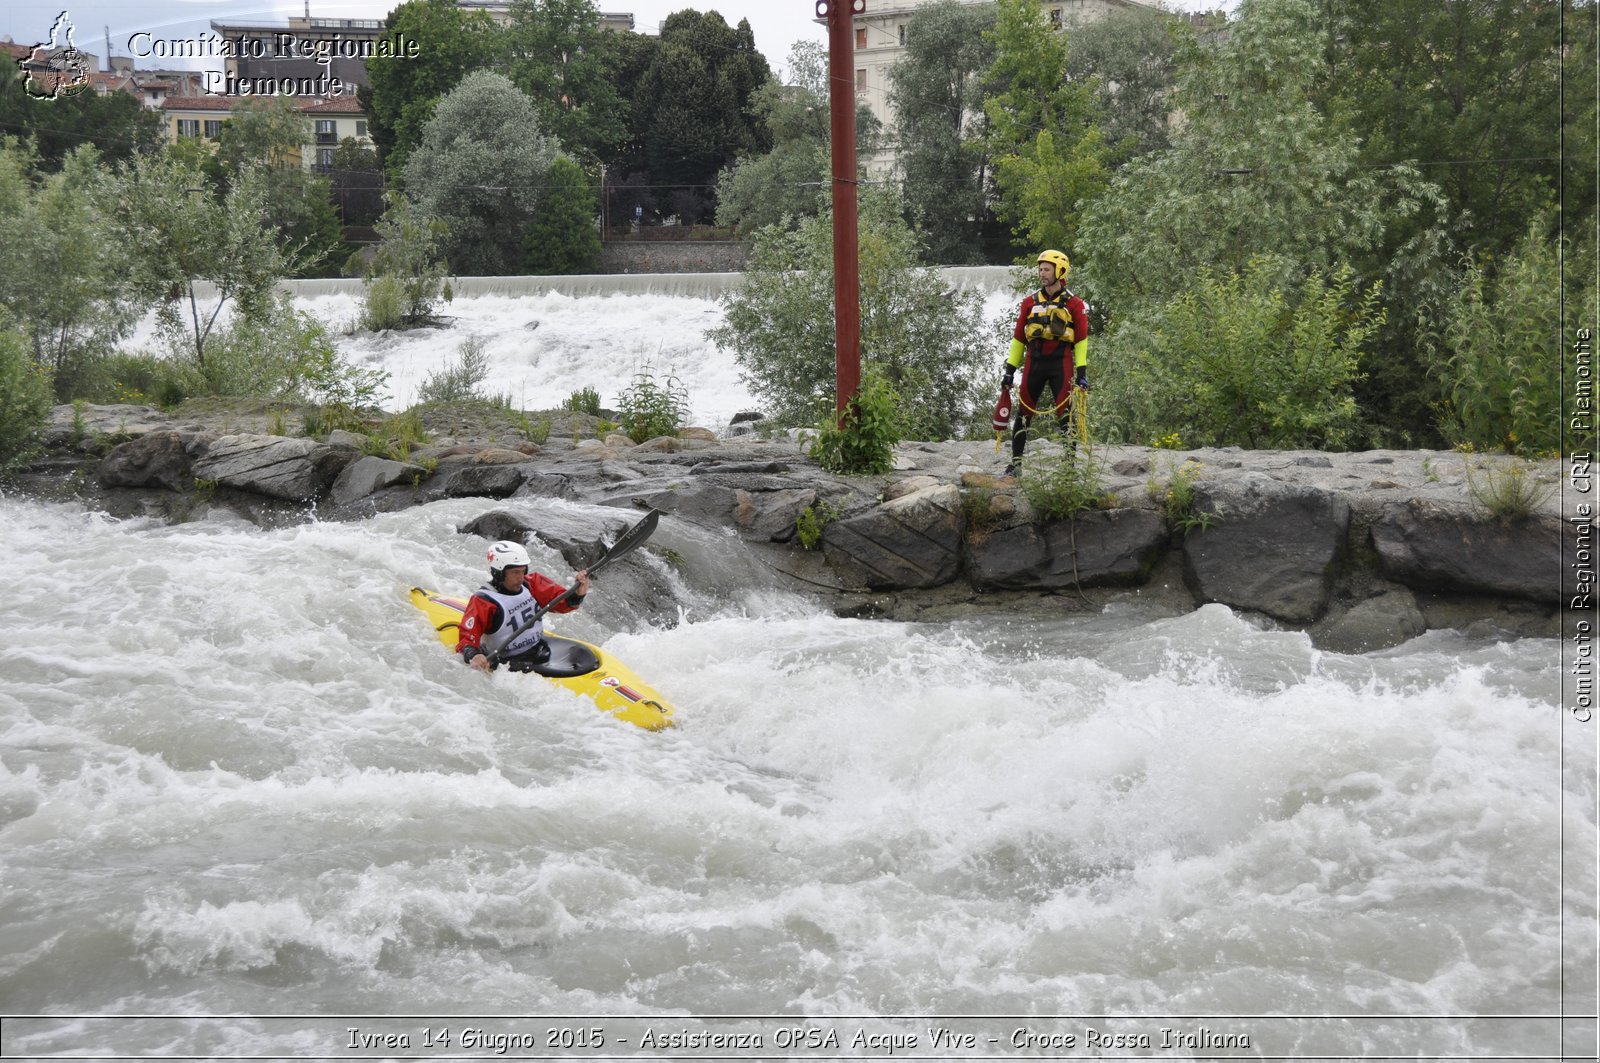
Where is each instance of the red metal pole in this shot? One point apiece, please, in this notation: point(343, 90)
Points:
point(842, 130)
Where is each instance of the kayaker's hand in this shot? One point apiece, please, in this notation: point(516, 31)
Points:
point(480, 662)
point(583, 582)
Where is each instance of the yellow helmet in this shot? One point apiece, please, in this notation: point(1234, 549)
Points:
point(1059, 261)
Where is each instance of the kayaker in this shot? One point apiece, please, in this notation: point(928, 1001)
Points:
point(495, 622)
point(1053, 324)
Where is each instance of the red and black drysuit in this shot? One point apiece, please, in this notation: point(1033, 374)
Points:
point(1050, 342)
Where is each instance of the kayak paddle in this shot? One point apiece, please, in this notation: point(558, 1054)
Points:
point(626, 544)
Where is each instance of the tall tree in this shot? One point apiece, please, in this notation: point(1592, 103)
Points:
point(117, 125)
point(1047, 149)
point(936, 91)
point(270, 133)
point(558, 60)
point(1130, 56)
point(433, 45)
point(178, 235)
point(1467, 90)
point(627, 58)
point(1258, 169)
point(63, 278)
point(696, 103)
point(791, 179)
point(563, 236)
point(480, 168)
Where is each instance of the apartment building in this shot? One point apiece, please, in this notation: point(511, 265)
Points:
point(328, 123)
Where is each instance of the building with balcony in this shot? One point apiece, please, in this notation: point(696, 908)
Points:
point(329, 122)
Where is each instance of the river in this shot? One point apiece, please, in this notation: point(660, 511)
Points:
point(249, 807)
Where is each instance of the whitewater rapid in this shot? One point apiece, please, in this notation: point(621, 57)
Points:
point(240, 779)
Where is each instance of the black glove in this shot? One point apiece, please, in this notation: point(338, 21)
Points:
point(1082, 380)
point(1009, 376)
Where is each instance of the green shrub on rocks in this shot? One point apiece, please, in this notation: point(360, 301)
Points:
point(862, 441)
point(1243, 359)
point(1060, 484)
point(653, 405)
point(1504, 369)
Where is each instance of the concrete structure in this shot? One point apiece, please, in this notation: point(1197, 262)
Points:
point(880, 36)
point(261, 52)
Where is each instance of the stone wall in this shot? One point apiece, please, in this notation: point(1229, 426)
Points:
point(671, 256)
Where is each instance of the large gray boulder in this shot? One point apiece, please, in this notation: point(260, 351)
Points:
point(1098, 548)
point(1272, 547)
point(1437, 546)
point(1376, 623)
point(770, 516)
point(476, 480)
point(912, 541)
point(296, 470)
point(370, 473)
point(155, 459)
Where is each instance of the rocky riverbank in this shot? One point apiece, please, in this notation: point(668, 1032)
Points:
point(1363, 550)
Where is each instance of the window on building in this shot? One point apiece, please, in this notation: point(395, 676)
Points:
point(327, 131)
point(1055, 18)
point(213, 128)
point(861, 79)
point(902, 34)
point(324, 158)
point(188, 127)
point(861, 38)
point(361, 129)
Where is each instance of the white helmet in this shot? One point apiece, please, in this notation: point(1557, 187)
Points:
point(504, 553)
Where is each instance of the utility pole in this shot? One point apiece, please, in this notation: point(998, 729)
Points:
point(842, 130)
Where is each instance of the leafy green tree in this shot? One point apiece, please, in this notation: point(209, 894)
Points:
point(270, 133)
point(1258, 168)
point(1239, 359)
point(117, 125)
point(196, 252)
point(403, 89)
point(928, 343)
point(936, 91)
point(1047, 150)
point(695, 108)
point(563, 236)
point(263, 131)
point(480, 169)
point(1130, 57)
point(1580, 118)
point(627, 58)
point(1469, 90)
point(792, 179)
point(556, 59)
point(63, 281)
point(1254, 169)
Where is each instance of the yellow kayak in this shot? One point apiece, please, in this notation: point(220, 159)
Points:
point(578, 666)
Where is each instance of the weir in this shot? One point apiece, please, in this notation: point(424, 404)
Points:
point(593, 285)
